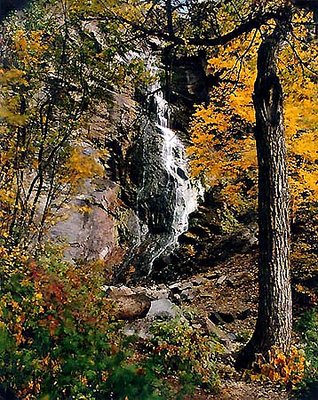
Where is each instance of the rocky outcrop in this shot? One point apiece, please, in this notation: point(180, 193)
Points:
point(88, 226)
point(96, 224)
point(208, 241)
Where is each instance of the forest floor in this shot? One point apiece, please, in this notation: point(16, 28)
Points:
point(227, 295)
point(223, 300)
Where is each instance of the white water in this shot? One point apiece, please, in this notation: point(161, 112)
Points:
point(174, 158)
point(175, 163)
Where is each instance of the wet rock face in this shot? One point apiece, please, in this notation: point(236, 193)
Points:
point(205, 244)
point(154, 196)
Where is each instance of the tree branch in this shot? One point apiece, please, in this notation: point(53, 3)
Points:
point(251, 22)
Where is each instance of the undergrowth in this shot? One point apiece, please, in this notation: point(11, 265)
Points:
point(307, 326)
point(181, 350)
point(58, 339)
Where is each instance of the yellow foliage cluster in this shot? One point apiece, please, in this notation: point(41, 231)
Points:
point(281, 368)
point(81, 166)
point(132, 10)
point(12, 80)
point(223, 149)
point(30, 46)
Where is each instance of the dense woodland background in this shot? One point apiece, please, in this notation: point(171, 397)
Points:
point(158, 190)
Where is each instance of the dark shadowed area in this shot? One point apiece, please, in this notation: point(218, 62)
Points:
point(6, 6)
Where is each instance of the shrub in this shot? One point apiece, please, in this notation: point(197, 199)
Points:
point(287, 369)
point(183, 351)
point(57, 340)
point(308, 328)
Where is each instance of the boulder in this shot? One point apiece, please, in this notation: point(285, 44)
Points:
point(163, 308)
point(118, 291)
point(131, 306)
point(154, 292)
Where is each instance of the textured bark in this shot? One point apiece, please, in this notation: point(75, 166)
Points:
point(274, 323)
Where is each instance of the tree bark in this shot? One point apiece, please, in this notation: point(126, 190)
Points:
point(274, 323)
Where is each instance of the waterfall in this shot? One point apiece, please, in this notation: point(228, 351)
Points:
point(173, 159)
point(164, 193)
point(175, 162)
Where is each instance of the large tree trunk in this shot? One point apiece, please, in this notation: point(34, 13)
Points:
point(274, 323)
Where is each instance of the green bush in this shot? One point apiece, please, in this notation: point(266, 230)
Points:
point(179, 349)
point(308, 328)
point(57, 340)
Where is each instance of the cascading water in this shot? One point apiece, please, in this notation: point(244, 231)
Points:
point(175, 162)
point(164, 194)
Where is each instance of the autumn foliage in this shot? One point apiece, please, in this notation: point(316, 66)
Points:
point(58, 337)
point(223, 151)
point(281, 368)
point(48, 310)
